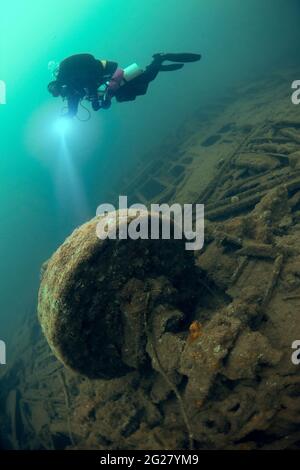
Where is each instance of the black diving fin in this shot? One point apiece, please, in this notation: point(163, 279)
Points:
point(171, 67)
point(180, 57)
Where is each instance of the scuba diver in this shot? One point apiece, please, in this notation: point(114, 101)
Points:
point(82, 76)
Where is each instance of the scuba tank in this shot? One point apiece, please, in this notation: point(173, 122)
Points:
point(118, 80)
point(131, 72)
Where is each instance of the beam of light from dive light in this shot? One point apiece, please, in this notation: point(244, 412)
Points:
point(62, 126)
point(70, 191)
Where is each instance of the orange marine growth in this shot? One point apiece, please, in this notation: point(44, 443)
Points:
point(195, 331)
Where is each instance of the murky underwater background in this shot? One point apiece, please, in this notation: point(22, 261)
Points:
point(48, 188)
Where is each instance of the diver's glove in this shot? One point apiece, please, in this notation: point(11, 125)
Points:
point(96, 105)
point(106, 103)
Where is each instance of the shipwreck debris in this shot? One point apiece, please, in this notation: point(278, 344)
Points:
point(88, 307)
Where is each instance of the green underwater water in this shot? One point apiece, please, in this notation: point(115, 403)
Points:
point(48, 187)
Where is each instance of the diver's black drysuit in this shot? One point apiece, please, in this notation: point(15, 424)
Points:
point(139, 85)
point(81, 75)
